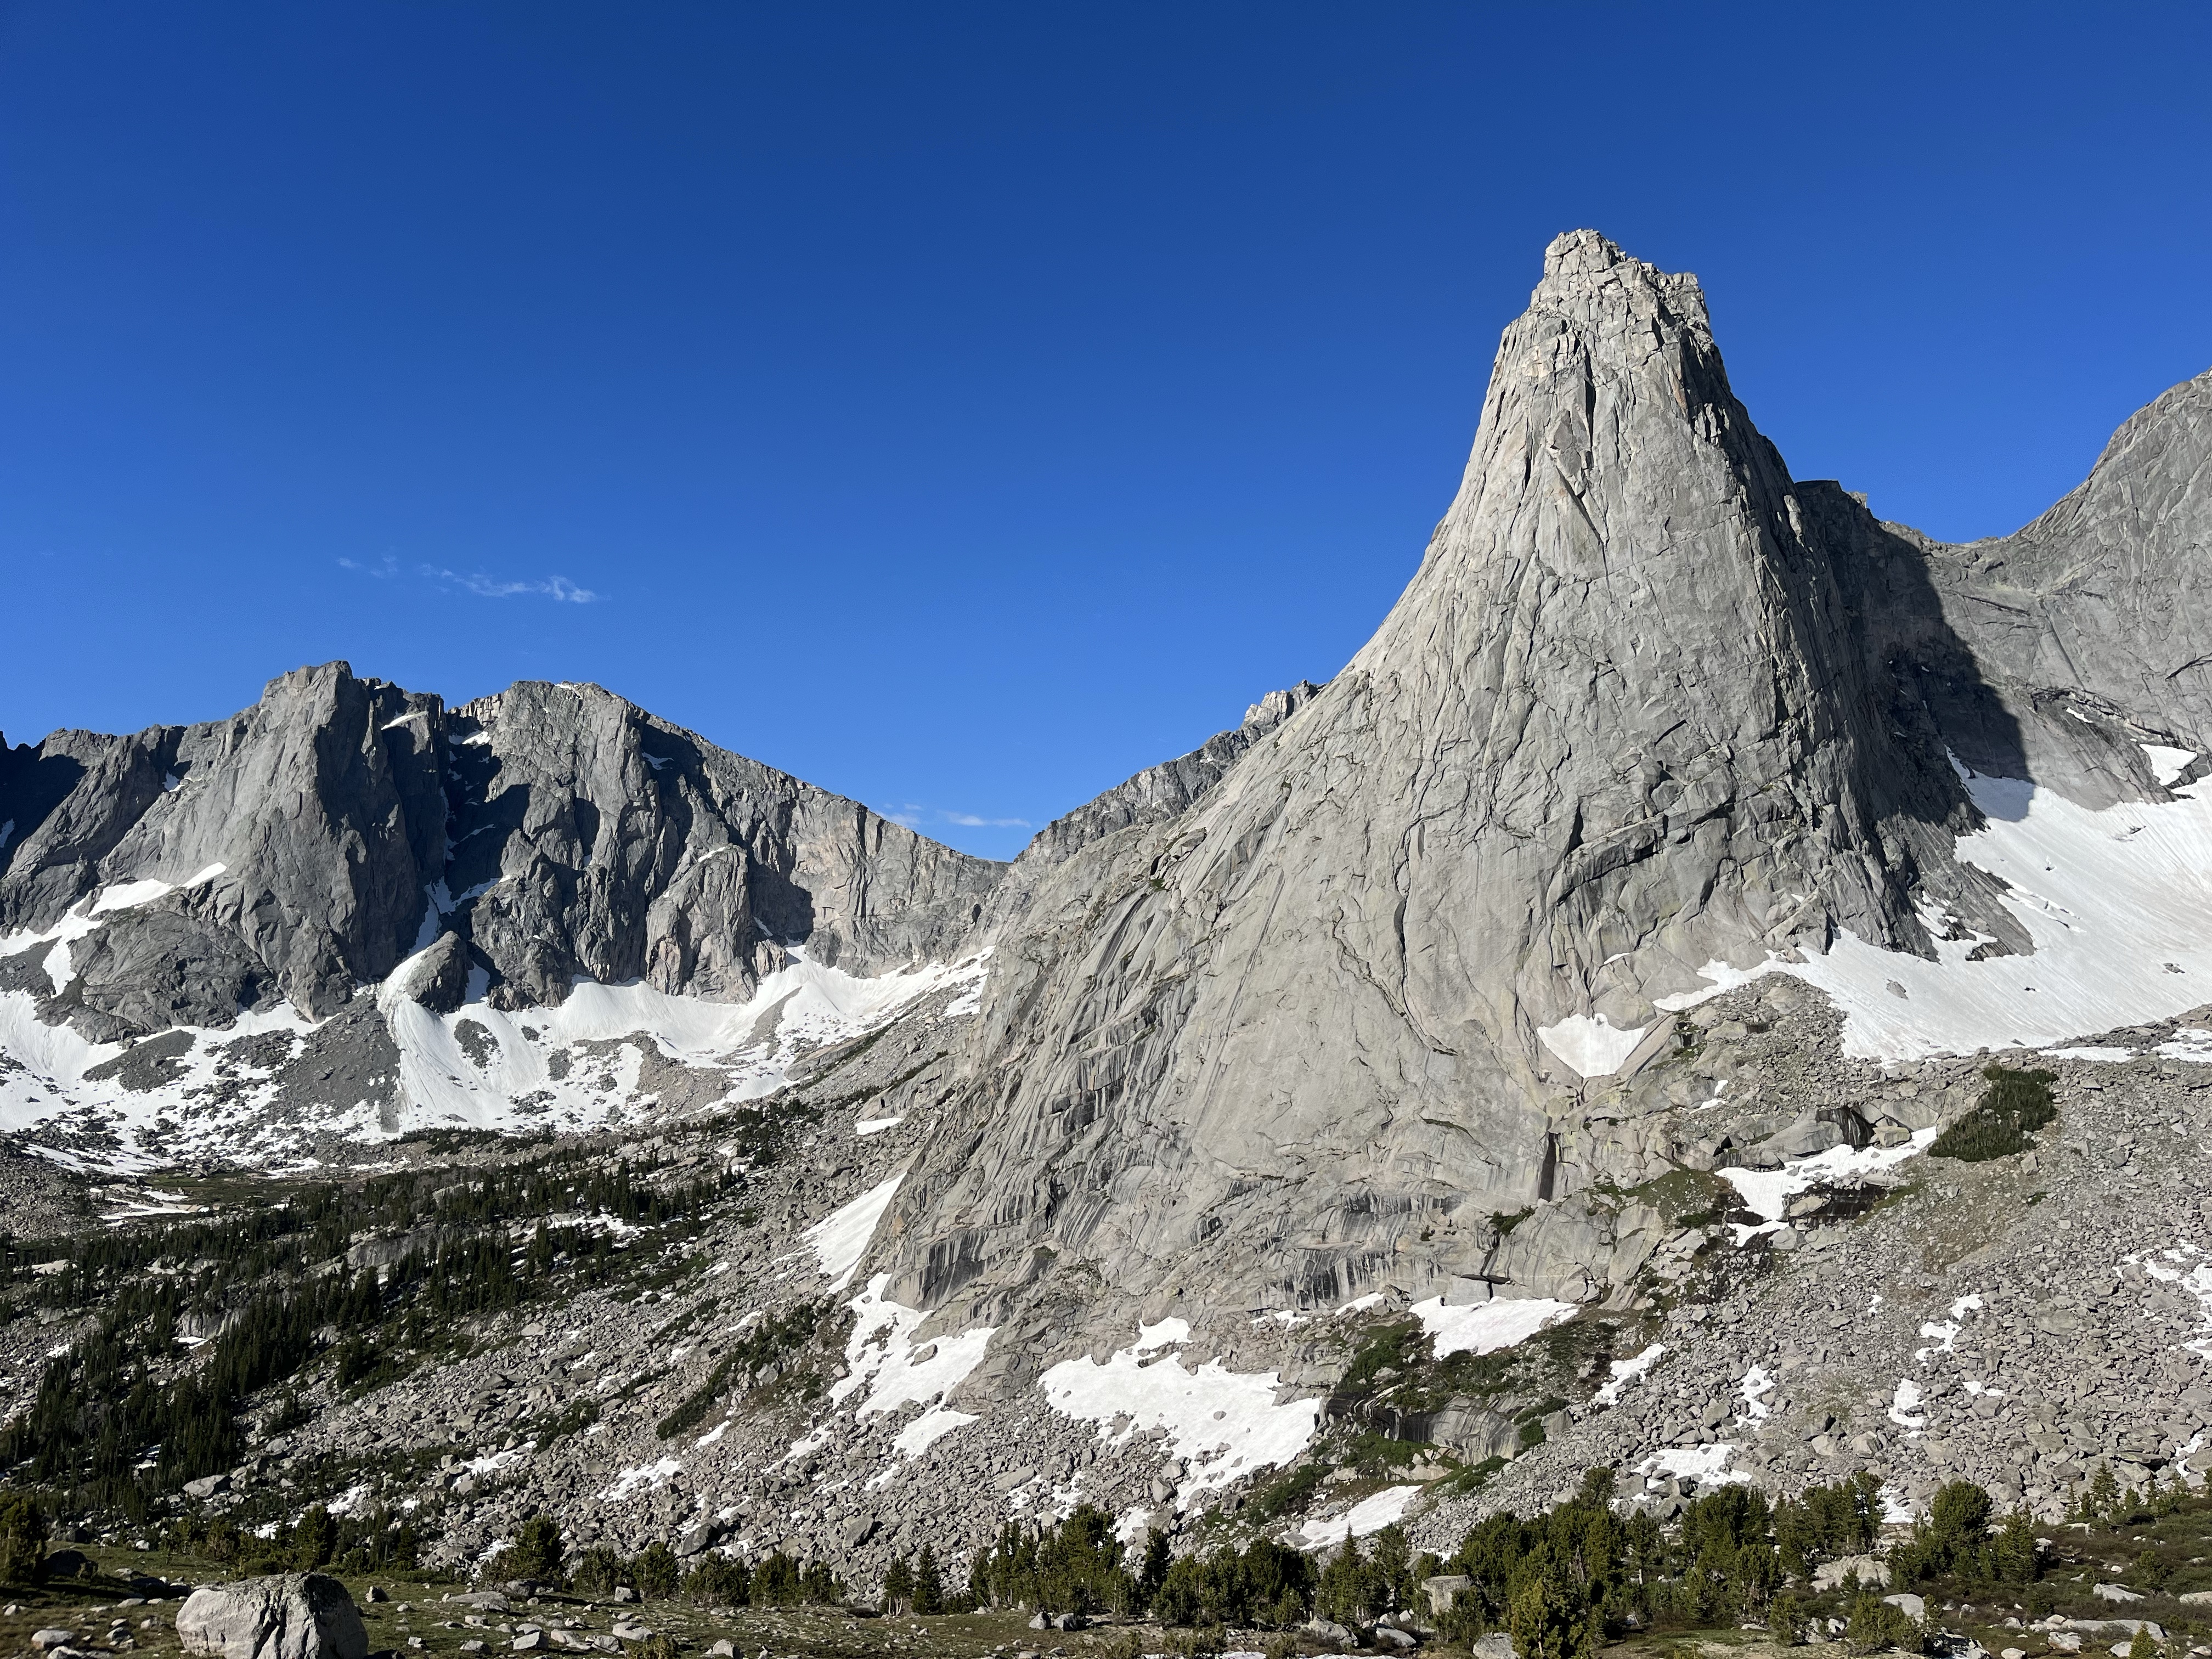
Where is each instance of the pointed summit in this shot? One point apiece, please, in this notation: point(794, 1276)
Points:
point(1620, 726)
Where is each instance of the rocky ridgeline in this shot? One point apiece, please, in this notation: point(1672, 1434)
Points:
point(1391, 1013)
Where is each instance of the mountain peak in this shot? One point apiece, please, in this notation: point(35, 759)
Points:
point(1586, 276)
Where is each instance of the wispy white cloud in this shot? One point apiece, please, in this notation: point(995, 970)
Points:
point(914, 815)
point(559, 589)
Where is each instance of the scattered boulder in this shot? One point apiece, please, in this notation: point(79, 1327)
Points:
point(1871, 1569)
point(1912, 1606)
point(1440, 1591)
point(293, 1615)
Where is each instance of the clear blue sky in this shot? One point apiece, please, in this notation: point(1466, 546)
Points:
point(963, 406)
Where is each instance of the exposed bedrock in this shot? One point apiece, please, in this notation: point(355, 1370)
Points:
point(1647, 704)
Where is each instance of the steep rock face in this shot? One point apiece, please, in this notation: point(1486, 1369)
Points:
point(2094, 622)
point(309, 844)
point(1307, 1036)
point(607, 844)
point(293, 834)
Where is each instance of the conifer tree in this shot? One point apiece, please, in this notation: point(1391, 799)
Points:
point(928, 1584)
point(898, 1586)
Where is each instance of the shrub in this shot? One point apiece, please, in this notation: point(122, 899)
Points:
point(1786, 1618)
point(2004, 1121)
point(1876, 1625)
point(599, 1571)
point(1542, 1619)
point(718, 1582)
point(654, 1571)
point(314, 1539)
point(22, 1541)
point(2014, 1559)
point(537, 1551)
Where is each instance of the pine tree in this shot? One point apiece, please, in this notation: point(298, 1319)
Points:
point(1543, 1625)
point(928, 1585)
point(537, 1552)
point(2103, 1498)
point(2139, 1646)
point(22, 1541)
point(898, 1586)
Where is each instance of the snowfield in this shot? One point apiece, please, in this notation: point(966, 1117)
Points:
point(2119, 903)
point(578, 1066)
point(1225, 1425)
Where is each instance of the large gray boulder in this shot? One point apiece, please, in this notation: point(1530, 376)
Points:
point(293, 1615)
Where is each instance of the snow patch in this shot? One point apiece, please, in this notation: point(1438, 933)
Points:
point(881, 1357)
point(841, 1239)
point(644, 1477)
point(1705, 1463)
point(1756, 1384)
point(1370, 1514)
point(1624, 1371)
point(1488, 1325)
point(2167, 764)
point(876, 1125)
point(1904, 1403)
point(2187, 1266)
point(1225, 1425)
point(2189, 1044)
point(1766, 1193)
point(1594, 1047)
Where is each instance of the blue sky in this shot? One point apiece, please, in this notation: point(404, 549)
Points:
point(963, 406)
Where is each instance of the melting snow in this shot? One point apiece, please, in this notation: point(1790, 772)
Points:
point(646, 1477)
point(1370, 1514)
point(841, 1238)
point(2185, 1265)
point(2189, 1044)
point(1946, 1333)
point(2169, 764)
point(1224, 1424)
point(1766, 1193)
point(876, 1125)
point(1707, 1463)
point(501, 1077)
point(1488, 1325)
point(1594, 1047)
point(1626, 1371)
point(881, 1357)
point(48, 1082)
point(1904, 1403)
point(1756, 1383)
point(2112, 899)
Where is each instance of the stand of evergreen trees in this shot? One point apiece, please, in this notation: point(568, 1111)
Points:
point(125, 1418)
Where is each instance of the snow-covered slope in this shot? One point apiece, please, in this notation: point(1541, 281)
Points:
point(608, 1055)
